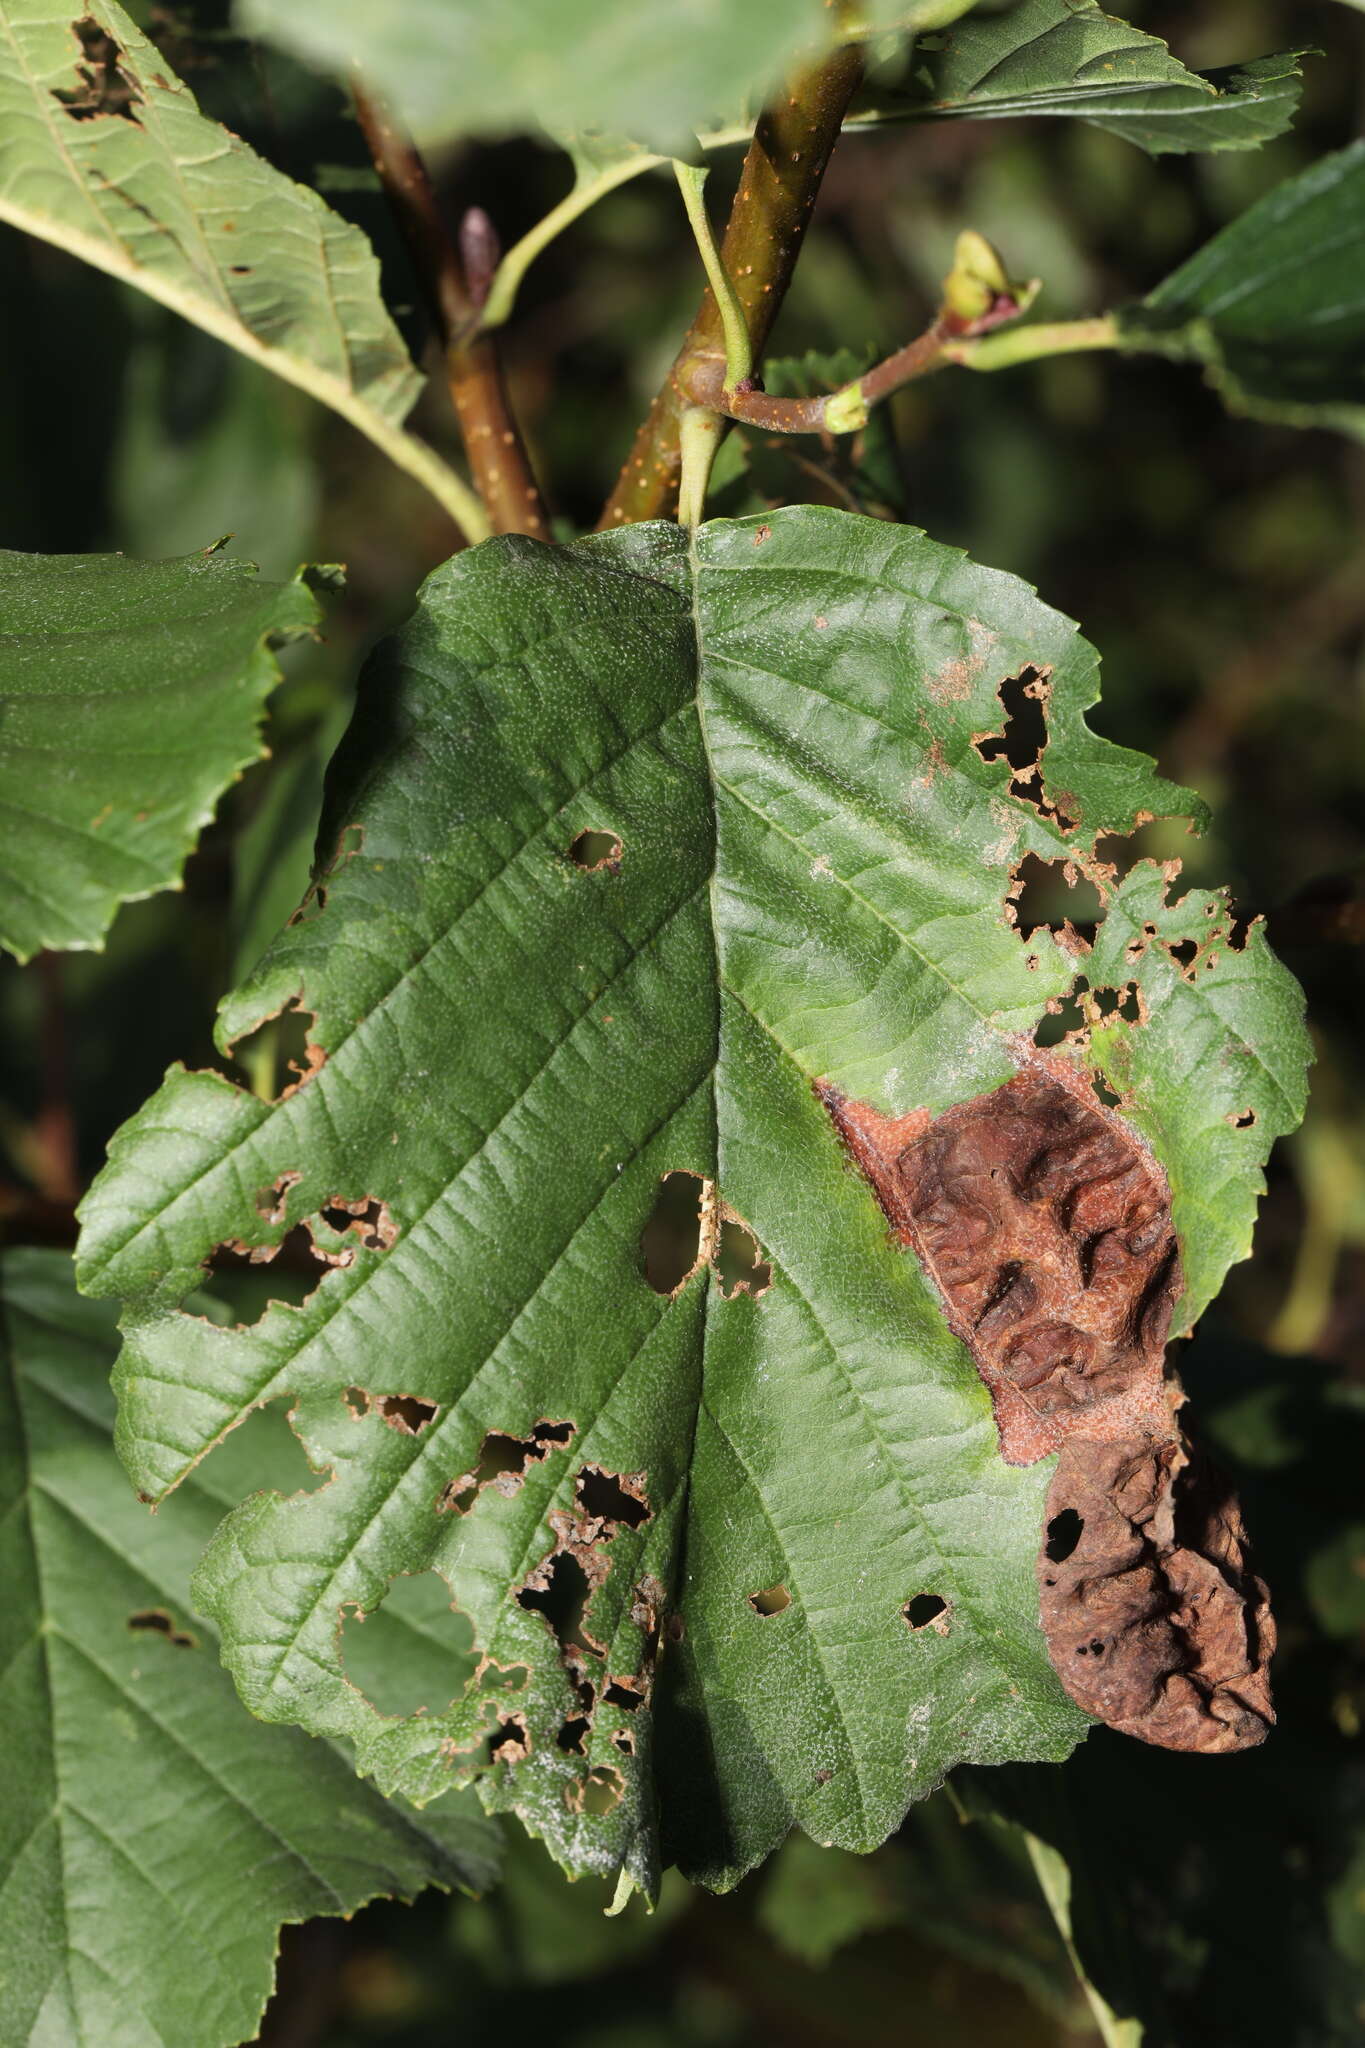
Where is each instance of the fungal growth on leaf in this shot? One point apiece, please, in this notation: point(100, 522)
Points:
point(1045, 1226)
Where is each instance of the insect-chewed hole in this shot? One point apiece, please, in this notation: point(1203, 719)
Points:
point(563, 1600)
point(409, 1414)
point(770, 1600)
point(503, 1464)
point(414, 1652)
point(600, 1791)
point(1053, 893)
point(671, 1240)
point(595, 851)
point(1063, 1534)
point(159, 1622)
point(510, 1741)
point(927, 1610)
point(604, 1497)
point(739, 1268)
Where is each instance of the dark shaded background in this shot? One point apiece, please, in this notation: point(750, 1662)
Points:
point(1220, 567)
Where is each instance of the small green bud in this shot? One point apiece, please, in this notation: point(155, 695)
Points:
point(977, 278)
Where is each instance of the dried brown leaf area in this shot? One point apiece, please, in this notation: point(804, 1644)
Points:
point(1153, 1621)
point(1045, 1226)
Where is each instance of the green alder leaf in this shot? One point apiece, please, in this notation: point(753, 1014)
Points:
point(1068, 57)
point(1274, 306)
point(131, 696)
point(154, 1836)
point(806, 849)
point(104, 151)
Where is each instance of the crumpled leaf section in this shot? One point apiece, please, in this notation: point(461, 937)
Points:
point(610, 1358)
point(1046, 1227)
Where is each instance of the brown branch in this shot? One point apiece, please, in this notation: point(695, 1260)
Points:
point(768, 221)
point(809, 415)
point(497, 457)
point(945, 340)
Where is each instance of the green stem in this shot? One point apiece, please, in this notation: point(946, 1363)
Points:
point(699, 432)
point(507, 279)
point(1025, 344)
point(739, 359)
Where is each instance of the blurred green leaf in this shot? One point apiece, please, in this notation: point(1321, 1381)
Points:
point(536, 1929)
point(153, 1837)
point(1274, 306)
point(207, 443)
point(105, 152)
point(461, 67)
point(131, 698)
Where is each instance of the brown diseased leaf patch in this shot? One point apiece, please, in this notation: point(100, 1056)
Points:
point(1153, 1620)
point(1047, 1230)
point(1045, 1225)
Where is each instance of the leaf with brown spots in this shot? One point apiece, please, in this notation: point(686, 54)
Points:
point(706, 1436)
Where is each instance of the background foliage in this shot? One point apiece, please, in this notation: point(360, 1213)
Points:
point(1225, 582)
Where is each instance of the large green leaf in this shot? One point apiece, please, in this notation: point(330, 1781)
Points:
point(1274, 306)
point(104, 152)
point(153, 1836)
point(785, 725)
point(131, 696)
point(1068, 57)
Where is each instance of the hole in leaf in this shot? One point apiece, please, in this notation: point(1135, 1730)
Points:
point(104, 88)
point(1184, 952)
point(1124, 1003)
point(770, 1600)
point(279, 1055)
point(272, 1202)
point(603, 1496)
point(409, 1414)
point(623, 1740)
point(573, 1735)
point(1064, 1017)
point(414, 1652)
point(1024, 733)
point(623, 1692)
point(357, 1400)
point(367, 1221)
point(563, 1600)
point(600, 1791)
point(1022, 740)
point(1103, 1092)
point(1063, 1534)
point(1053, 894)
point(1242, 1120)
point(503, 1464)
point(671, 1240)
point(927, 1610)
point(595, 851)
point(159, 1622)
point(738, 1265)
point(510, 1741)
